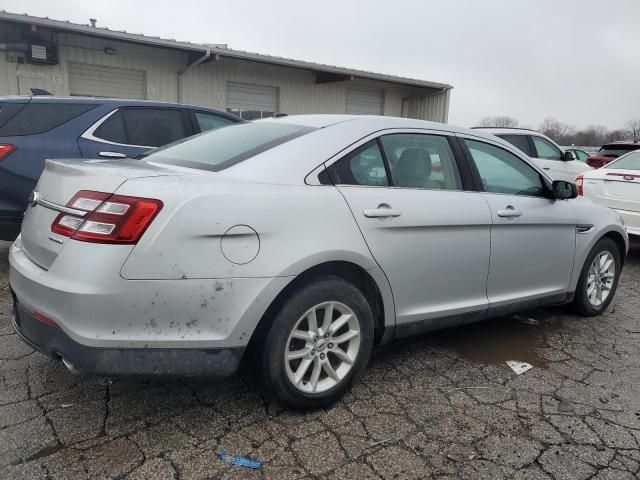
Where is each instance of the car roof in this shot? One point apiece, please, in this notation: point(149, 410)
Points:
point(620, 144)
point(123, 102)
point(511, 130)
point(377, 122)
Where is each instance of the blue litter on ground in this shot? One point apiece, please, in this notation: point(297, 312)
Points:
point(239, 461)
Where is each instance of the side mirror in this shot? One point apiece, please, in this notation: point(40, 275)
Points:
point(564, 190)
point(569, 156)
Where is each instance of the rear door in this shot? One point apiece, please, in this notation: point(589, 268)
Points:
point(131, 131)
point(533, 237)
point(410, 196)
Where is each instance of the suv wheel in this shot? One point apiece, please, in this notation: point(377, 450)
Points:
point(598, 279)
point(319, 343)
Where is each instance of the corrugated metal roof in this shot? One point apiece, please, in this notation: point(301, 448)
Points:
point(215, 49)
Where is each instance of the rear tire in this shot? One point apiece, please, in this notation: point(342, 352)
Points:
point(309, 363)
point(598, 279)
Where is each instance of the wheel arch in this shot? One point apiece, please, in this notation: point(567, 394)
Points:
point(619, 240)
point(372, 283)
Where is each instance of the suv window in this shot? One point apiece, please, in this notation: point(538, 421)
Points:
point(546, 149)
point(363, 166)
point(8, 110)
point(221, 148)
point(208, 121)
point(519, 141)
point(38, 117)
point(421, 161)
point(503, 172)
point(581, 155)
point(146, 127)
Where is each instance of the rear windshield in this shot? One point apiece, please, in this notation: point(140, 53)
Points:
point(42, 117)
point(616, 150)
point(630, 161)
point(8, 110)
point(219, 149)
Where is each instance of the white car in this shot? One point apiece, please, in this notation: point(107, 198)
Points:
point(303, 240)
point(616, 185)
point(548, 155)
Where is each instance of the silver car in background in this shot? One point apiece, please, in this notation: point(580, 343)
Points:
point(305, 240)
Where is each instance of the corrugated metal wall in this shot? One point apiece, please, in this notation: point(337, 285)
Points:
point(206, 84)
point(433, 106)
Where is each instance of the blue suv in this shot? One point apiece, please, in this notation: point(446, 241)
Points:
point(33, 129)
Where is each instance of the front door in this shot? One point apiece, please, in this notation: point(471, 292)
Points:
point(429, 235)
point(551, 159)
point(533, 237)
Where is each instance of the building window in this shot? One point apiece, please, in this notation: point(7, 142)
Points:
point(250, 114)
point(252, 102)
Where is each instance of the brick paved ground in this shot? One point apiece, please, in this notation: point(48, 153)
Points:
point(439, 406)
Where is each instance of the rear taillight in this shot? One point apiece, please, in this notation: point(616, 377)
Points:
point(109, 219)
point(579, 183)
point(6, 150)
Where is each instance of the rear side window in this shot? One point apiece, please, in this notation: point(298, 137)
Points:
point(519, 141)
point(8, 110)
point(38, 117)
point(364, 166)
point(145, 127)
point(221, 148)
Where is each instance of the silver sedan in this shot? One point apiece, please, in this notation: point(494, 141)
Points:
point(301, 241)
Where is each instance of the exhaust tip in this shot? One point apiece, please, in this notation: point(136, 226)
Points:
point(70, 366)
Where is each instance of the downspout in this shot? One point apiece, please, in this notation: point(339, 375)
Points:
point(195, 63)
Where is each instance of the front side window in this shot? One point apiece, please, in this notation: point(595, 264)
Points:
point(218, 149)
point(503, 172)
point(519, 141)
point(208, 121)
point(546, 150)
point(145, 127)
point(581, 155)
point(421, 161)
point(364, 166)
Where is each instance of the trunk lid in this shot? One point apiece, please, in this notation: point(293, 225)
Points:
point(616, 188)
point(60, 181)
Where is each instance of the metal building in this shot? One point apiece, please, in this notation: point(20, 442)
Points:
point(71, 59)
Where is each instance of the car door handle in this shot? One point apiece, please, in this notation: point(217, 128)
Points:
point(509, 212)
point(546, 168)
point(383, 211)
point(112, 155)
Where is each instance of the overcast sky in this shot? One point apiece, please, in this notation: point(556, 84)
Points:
point(575, 60)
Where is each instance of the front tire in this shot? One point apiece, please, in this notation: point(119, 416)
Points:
point(319, 343)
point(598, 279)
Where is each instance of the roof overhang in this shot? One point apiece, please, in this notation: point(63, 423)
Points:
point(327, 72)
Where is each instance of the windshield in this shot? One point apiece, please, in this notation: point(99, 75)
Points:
point(219, 149)
point(630, 161)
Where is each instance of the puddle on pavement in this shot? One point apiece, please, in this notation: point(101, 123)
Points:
point(497, 340)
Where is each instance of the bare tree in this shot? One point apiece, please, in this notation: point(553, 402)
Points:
point(499, 121)
point(557, 130)
point(633, 126)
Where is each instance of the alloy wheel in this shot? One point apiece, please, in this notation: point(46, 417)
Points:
point(600, 278)
point(322, 347)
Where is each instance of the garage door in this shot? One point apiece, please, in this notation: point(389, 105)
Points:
point(365, 101)
point(251, 101)
point(99, 81)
